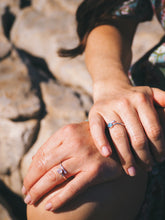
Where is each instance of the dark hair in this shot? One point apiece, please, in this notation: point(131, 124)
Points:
point(90, 14)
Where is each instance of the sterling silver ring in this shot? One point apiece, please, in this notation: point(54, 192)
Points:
point(62, 171)
point(113, 123)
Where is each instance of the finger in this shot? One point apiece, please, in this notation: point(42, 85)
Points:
point(150, 121)
point(70, 190)
point(50, 180)
point(159, 96)
point(41, 164)
point(120, 140)
point(137, 136)
point(97, 128)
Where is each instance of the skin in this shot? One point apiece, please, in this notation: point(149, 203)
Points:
point(104, 184)
point(114, 99)
point(108, 57)
point(109, 201)
point(99, 187)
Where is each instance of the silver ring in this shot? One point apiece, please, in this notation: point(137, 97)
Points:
point(113, 123)
point(62, 171)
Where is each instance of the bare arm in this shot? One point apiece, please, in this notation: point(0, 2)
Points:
point(108, 57)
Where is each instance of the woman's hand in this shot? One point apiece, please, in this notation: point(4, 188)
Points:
point(74, 148)
point(141, 138)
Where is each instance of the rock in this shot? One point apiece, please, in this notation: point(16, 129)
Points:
point(63, 107)
point(4, 215)
point(152, 36)
point(12, 4)
point(13, 181)
point(44, 36)
point(71, 5)
point(5, 45)
point(15, 140)
point(51, 5)
point(46, 7)
point(62, 102)
point(17, 98)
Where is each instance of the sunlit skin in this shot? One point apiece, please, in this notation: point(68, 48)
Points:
point(108, 57)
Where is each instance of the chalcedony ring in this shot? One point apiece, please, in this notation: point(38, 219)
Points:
point(62, 171)
point(113, 123)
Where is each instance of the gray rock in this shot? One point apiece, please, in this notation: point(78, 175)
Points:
point(5, 45)
point(62, 102)
point(15, 140)
point(43, 35)
point(63, 107)
point(69, 5)
point(152, 36)
point(4, 215)
point(12, 4)
point(49, 6)
point(13, 181)
point(17, 99)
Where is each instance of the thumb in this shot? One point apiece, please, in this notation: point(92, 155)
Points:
point(159, 96)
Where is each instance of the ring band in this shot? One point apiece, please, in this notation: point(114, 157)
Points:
point(113, 123)
point(62, 171)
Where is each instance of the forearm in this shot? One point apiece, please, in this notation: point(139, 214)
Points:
point(108, 55)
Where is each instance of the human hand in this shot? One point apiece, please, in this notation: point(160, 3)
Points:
point(141, 138)
point(74, 147)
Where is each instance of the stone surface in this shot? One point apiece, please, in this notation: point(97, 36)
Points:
point(5, 45)
point(15, 140)
point(31, 33)
point(62, 102)
point(4, 215)
point(145, 40)
point(17, 99)
point(13, 181)
point(63, 107)
point(12, 4)
point(41, 30)
point(50, 6)
point(72, 6)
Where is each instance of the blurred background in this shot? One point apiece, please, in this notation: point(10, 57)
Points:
point(40, 92)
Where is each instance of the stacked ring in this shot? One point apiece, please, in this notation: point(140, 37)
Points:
point(113, 123)
point(62, 171)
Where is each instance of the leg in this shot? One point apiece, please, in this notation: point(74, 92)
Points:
point(116, 200)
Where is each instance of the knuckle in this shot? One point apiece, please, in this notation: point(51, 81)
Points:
point(52, 175)
point(41, 165)
point(69, 129)
point(118, 134)
point(141, 97)
point(154, 133)
point(139, 142)
point(123, 103)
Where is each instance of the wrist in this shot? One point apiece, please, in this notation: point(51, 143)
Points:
point(107, 87)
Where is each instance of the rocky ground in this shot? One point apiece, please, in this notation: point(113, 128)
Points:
point(41, 92)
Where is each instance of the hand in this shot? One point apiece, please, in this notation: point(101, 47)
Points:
point(74, 147)
point(141, 133)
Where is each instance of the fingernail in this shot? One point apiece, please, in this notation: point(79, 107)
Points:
point(48, 206)
point(105, 151)
point(27, 199)
point(24, 190)
point(132, 171)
